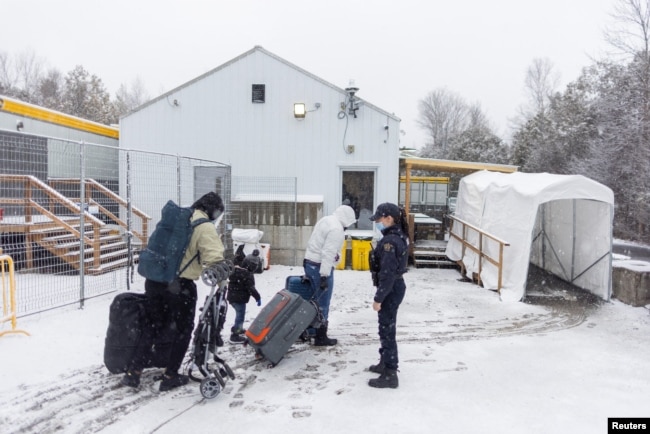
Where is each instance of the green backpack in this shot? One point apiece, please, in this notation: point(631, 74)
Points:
point(160, 261)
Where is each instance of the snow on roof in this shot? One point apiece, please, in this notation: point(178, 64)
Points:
point(253, 197)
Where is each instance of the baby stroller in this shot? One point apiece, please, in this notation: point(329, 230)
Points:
point(212, 372)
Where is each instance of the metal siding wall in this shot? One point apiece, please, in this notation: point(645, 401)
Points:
point(216, 120)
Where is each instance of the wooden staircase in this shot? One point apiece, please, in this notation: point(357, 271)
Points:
point(57, 224)
point(431, 253)
point(113, 249)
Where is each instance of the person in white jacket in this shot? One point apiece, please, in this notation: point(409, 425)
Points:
point(321, 256)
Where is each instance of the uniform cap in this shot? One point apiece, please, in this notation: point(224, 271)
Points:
point(384, 210)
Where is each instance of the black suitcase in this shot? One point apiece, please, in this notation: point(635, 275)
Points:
point(279, 324)
point(126, 321)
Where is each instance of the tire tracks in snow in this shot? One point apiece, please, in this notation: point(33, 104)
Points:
point(52, 407)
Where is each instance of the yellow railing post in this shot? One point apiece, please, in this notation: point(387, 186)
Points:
point(8, 292)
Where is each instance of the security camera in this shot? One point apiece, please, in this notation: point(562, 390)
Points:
point(19, 125)
point(385, 127)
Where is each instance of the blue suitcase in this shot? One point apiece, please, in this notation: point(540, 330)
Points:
point(299, 285)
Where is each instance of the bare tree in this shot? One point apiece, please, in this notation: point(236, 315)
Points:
point(630, 33)
point(443, 114)
point(30, 71)
point(128, 98)
point(540, 83)
point(20, 75)
point(476, 117)
point(7, 73)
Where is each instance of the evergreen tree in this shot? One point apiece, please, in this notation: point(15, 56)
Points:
point(85, 97)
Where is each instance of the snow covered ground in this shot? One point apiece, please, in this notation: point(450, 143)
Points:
point(558, 363)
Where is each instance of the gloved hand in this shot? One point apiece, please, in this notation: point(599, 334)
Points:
point(259, 302)
point(323, 282)
point(225, 268)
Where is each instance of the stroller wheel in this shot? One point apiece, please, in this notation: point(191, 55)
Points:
point(210, 388)
point(229, 371)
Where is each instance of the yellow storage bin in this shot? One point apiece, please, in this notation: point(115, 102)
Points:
point(344, 250)
point(360, 253)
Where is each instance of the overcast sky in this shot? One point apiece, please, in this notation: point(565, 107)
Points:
point(395, 51)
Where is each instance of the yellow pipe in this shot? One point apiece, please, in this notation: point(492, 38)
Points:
point(10, 105)
point(6, 263)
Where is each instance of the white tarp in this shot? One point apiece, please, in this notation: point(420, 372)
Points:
point(251, 239)
point(561, 223)
point(251, 236)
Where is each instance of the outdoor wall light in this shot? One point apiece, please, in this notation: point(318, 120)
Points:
point(299, 110)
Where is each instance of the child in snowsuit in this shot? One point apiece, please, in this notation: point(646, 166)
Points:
point(240, 289)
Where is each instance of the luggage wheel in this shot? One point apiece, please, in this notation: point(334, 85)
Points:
point(229, 372)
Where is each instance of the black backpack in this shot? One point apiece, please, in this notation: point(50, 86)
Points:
point(160, 261)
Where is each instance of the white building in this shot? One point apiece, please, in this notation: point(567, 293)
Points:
point(242, 114)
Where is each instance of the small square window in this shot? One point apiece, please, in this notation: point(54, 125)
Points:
point(259, 93)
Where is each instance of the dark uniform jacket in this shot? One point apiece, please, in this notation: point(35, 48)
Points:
point(390, 259)
point(242, 286)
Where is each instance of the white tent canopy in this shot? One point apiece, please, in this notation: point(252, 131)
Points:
point(560, 223)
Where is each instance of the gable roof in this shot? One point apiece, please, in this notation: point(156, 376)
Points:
point(260, 49)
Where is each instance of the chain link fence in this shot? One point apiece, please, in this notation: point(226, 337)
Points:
point(73, 216)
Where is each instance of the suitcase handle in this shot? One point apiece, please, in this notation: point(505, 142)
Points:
point(287, 337)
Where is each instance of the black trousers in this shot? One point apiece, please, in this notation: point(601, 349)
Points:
point(387, 317)
point(164, 306)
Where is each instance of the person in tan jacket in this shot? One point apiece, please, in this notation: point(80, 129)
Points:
point(176, 301)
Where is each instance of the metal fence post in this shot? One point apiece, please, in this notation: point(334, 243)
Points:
point(129, 230)
point(178, 179)
point(82, 224)
point(295, 219)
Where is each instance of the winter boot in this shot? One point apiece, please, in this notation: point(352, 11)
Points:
point(170, 382)
point(131, 379)
point(236, 336)
point(321, 339)
point(237, 339)
point(378, 368)
point(388, 378)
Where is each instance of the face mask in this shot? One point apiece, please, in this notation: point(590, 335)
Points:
point(380, 226)
point(215, 215)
